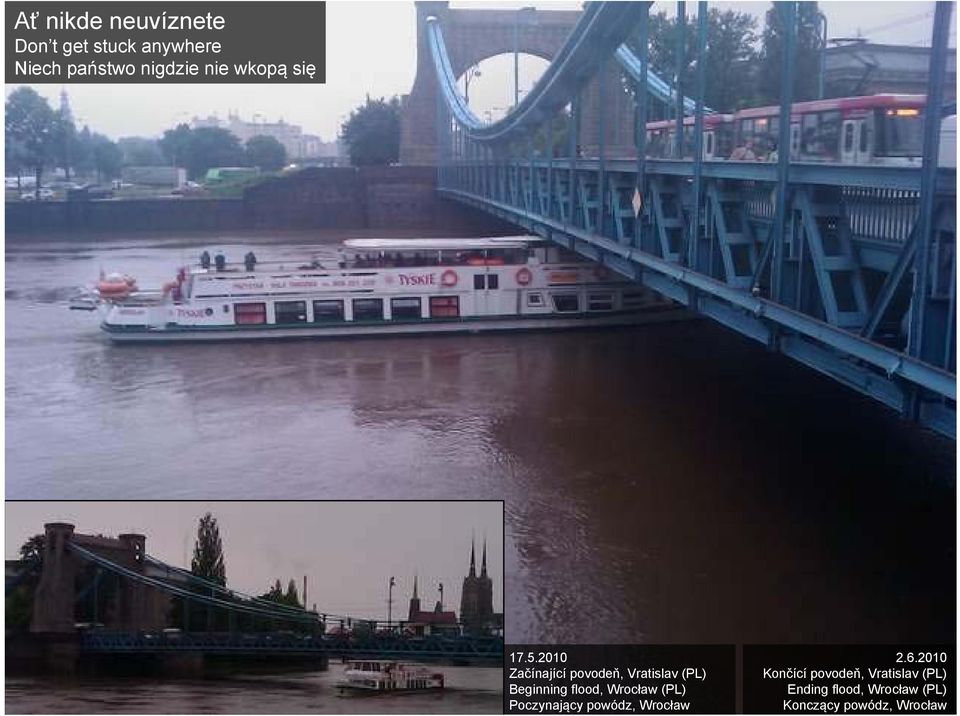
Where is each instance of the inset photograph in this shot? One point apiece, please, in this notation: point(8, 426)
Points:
point(254, 607)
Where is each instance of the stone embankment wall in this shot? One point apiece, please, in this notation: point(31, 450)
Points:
point(325, 198)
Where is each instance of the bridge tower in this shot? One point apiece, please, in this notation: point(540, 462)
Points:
point(472, 36)
point(134, 606)
point(53, 601)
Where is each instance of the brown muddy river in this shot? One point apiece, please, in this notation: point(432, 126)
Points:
point(670, 483)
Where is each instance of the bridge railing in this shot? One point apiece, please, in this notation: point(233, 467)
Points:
point(472, 649)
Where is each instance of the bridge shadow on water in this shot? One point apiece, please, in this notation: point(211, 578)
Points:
point(735, 497)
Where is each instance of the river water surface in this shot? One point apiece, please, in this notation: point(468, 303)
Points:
point(468, 690)
point(665, 483)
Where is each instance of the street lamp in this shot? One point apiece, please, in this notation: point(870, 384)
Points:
point(441, 596)
point(471, 72)
point(390, 601)
point(823, 54)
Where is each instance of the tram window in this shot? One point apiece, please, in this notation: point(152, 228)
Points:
point(493, 281)
point(405, 307)
point(566, 302)
point(864, 138)
point(634, 299)
point(250, 313)
point(368, 309)
point(830, 123)
point(290, 311)
point(534, 299)
point(444, 307)
point(709, 150)
point(600, 302)
point(327, 311)
point(808, 134)
point(479, 281)
point(848, 138)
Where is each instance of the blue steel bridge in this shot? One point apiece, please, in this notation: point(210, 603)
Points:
point(848, 269)
point(133, 603)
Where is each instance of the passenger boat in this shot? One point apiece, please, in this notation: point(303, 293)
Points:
point(382, 286)
point(381, 677)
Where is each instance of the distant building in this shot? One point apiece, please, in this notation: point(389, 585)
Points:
point(422, 623)
point(299, 146)
point(859, 68)
point(476, 598)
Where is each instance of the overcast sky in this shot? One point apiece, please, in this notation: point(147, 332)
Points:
point(371, 49)
point(348, 550)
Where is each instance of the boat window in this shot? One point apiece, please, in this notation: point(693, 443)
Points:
point(405, 307)
point(327, 311)
point(634, 299)
point(493, 281)
point(566, 302)
point(534, 299)
point(600, 302)
point(290, 311)
point(368, 309)
point(479, 281)
point(444, 307)
point(250, 313)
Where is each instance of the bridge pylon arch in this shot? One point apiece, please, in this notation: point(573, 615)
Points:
point(475, 35)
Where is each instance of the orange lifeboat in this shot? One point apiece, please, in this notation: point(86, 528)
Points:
point(116, 285)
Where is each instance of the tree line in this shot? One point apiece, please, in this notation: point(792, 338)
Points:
point(742, 60)
point(39, 139)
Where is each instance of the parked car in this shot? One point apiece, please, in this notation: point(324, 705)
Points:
point(45, 195)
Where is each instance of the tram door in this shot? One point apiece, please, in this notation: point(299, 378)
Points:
point(850, 141)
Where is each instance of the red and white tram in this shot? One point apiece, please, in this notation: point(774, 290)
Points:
point(881, 129)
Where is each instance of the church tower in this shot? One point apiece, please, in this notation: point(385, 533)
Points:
point(485, 590)
point(414, 602)
point(469, 595)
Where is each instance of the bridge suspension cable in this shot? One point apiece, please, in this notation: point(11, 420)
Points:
point(232, 593)
point(271, 613)
point(656, 85)
point(601, 30)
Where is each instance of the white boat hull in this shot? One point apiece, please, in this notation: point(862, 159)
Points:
point(179, 334)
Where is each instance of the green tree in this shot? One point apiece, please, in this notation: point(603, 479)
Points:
point(731, 58)
point(175, 145)
point(140, 151)
point(32, 125)
point(807, 58)
point(372, 132)
point(15, 159)
point(291, 597)
point(208, 552)
point(266, 153)
point(19, 601)
point(83, 161)
point(65, 140)
point(212, 147)
point(32, 549)
point(107, 157)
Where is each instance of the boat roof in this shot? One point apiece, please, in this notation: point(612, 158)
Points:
point(493, 242)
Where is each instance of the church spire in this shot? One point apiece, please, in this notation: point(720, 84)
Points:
point(415, 587)
point(473, 558)
point(483, 563)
